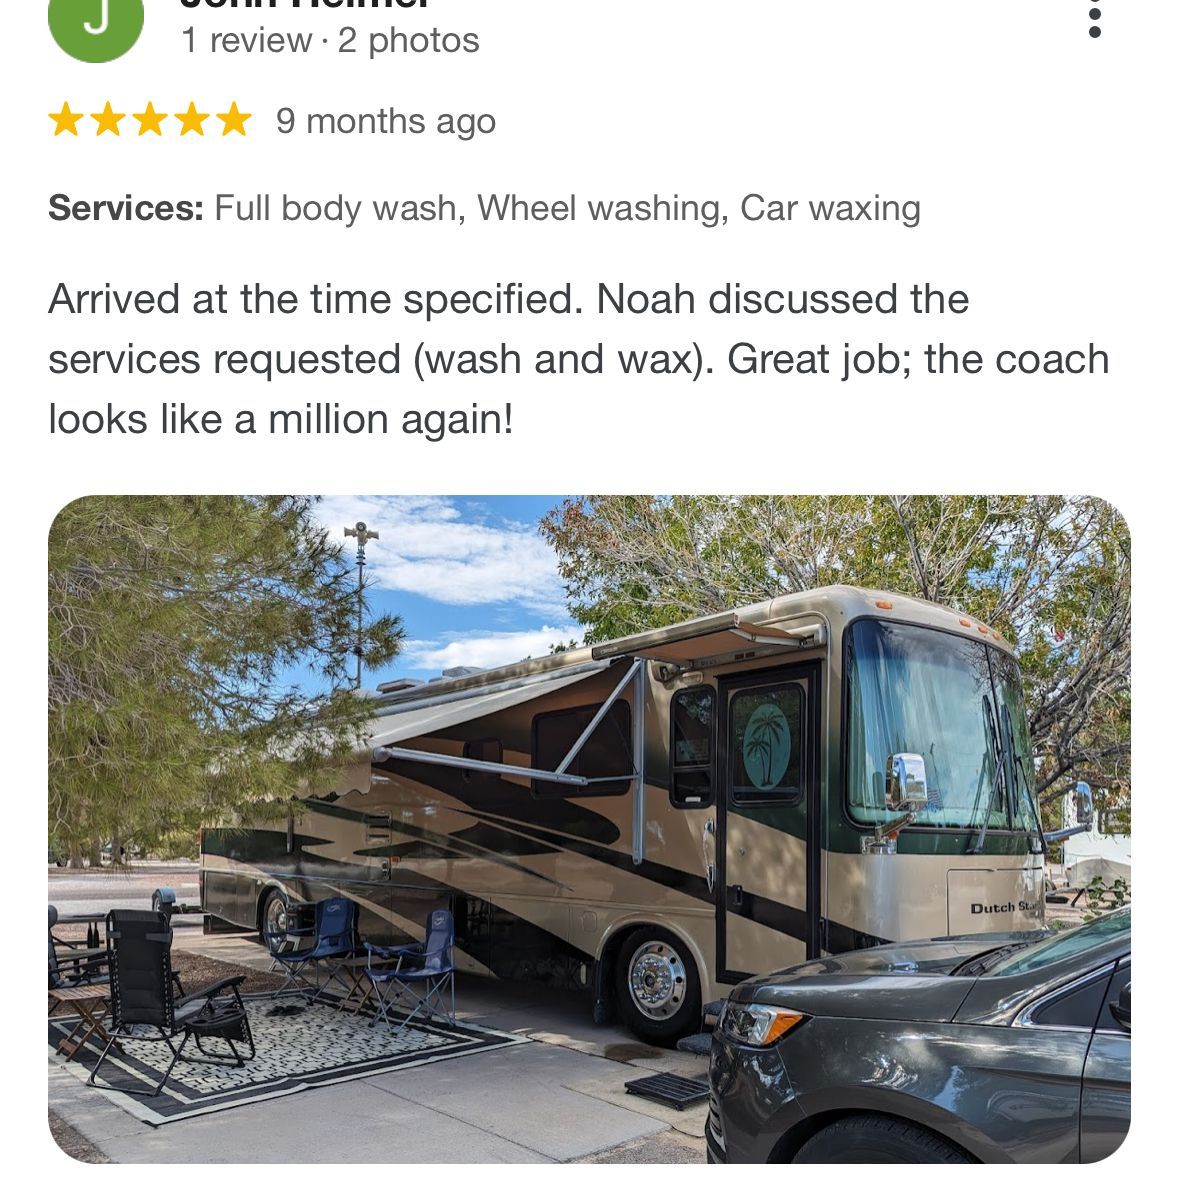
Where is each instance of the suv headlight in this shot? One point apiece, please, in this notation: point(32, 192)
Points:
point(758, 1024)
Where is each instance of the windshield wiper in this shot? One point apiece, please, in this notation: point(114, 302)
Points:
point(1021, 776)
point(981, 963)
point(1000, 773)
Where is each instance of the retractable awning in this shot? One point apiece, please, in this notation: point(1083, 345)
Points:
point(399, 722)
point(430, 714)
point(717, 635)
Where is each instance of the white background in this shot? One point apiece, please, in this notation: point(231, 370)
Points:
point(1041, 159)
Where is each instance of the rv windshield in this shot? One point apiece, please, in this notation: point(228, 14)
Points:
point(953, 700)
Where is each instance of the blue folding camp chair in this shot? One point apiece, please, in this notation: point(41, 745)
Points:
point(420, 974)
point(334, 943)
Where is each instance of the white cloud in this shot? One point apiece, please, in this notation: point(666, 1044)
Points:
point(484, 649)
point(426, 547)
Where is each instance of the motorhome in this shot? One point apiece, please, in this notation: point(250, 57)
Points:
point(655, 818)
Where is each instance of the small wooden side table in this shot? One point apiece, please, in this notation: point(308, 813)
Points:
point(91, 1003)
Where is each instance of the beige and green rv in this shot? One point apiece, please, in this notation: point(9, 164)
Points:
point(655, 818)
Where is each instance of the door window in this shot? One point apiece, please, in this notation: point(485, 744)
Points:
point(767, 739)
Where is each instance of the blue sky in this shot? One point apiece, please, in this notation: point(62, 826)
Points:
point(470, 576)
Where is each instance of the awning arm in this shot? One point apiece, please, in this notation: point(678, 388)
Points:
point(588, 732)
point(638, 816)
point(763, 635)
point(402, 753)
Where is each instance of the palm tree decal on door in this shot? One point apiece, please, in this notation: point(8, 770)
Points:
point(767, 745)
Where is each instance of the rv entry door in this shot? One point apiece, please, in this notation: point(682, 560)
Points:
point(767, 896)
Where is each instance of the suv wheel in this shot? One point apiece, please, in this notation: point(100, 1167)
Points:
point(878, 1139)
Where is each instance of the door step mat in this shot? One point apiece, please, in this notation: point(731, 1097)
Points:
point(670, 1088)
point(698, 1043)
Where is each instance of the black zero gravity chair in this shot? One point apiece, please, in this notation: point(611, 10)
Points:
point(143, 999)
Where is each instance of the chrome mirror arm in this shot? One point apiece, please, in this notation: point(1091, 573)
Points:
point(883, 841)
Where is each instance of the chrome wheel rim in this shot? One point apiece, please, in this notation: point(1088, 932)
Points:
point(658, 980)
point(275, 920)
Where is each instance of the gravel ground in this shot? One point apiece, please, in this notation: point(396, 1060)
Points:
point(73, 1142)
point(667, 1147)
point(197, 971)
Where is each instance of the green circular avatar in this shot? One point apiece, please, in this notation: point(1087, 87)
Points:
point(96, 30)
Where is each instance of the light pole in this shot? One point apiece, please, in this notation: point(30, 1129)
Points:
point(363, 535)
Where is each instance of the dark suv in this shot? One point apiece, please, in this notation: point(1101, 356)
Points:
point(1004, 1049)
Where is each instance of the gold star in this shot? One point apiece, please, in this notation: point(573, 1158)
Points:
point(192, 120)
point(66, 121)
point(234, 120)
point(108, 120)
point(150, 120)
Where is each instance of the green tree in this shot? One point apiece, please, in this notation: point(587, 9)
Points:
point(1051, 573)
point(180, 629)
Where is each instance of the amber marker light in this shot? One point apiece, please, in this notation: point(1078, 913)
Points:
point(882, 605)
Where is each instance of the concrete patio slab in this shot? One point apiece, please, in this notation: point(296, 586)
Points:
point(521, 1094)
point(353, 1122)
point(688, 1122)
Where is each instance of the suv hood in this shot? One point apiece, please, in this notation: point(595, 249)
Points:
point(896, 981)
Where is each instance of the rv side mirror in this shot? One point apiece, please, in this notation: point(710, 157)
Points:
point(1083, 804)
point(1119, 1009)
point(905, 787)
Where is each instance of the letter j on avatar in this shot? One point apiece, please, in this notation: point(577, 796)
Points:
point(96, 30)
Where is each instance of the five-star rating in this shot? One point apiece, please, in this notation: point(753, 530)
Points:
point(149, 121)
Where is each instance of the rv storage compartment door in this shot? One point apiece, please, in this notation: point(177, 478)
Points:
point(981, 900)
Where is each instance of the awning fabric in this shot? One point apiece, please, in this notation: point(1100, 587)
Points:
point(416, 717)
point(698, 639)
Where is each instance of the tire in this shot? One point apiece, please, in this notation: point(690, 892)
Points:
point(878, 1139)
point(656, 986)
point(272, 912)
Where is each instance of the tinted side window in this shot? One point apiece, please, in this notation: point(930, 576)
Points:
point(1121, 977)
point(1079, 1007)
point(607, 753)
point(693, 729)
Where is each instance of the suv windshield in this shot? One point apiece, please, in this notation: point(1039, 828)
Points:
point(1066, 944)
point(952, 699)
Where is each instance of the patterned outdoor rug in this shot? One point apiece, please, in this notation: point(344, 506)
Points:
point(299, 1047)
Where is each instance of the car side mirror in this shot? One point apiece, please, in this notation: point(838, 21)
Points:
point(1083, 803)
point(1119, 1009)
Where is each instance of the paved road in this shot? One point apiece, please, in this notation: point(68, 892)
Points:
point(94, 891)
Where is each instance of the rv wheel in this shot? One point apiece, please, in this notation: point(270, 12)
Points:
point(657, 987)
point(272, 914)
